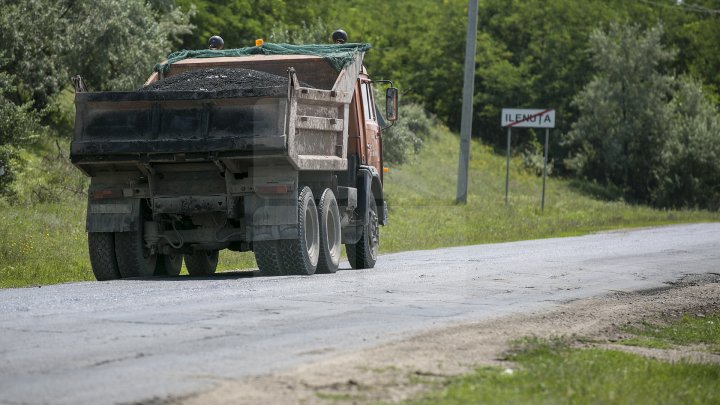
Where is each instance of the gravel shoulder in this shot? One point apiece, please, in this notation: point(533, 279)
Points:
point(405, 368)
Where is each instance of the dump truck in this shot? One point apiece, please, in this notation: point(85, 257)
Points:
point(275, 149)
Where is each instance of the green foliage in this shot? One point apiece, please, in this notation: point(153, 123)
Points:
point(624, 110)
point(240, 22)
point(552, 374)
point(533, 155)
point(33, 46)
point(530, 53)
point(315, 33)
point(654, 136)
point(18, 126)
point(113, 44)
point(406, 137)
point(688, 173)
point(423, 214)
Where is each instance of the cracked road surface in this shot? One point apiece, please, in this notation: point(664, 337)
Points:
point(135, 340)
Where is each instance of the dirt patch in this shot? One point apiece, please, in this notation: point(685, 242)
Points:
point(218, 79)
point(403, 369)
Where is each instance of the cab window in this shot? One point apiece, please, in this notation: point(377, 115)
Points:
point(368, 104)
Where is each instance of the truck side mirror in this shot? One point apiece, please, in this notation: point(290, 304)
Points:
point(391, 104)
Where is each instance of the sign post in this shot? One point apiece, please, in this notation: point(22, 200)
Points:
point(507, 167)
point(547, 139)
point(527, 118)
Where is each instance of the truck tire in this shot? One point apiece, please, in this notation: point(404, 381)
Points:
point(134, 259)
point(364, 253)
point(300, 256)
point(202, 263)
point(267, 257)
point(101, 246)
point(330, 233)
point(169, 265)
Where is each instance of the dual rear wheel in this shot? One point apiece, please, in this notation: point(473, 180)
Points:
point(317, 246)
point(115, 255)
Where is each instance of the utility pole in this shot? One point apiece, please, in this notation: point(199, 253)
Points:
point(467, 104)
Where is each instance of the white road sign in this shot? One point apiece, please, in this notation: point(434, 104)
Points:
point(528, 118)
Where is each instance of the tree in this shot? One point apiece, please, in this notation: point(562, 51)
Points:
point(113, 44)
point(623, 110)
point(639, 127)
point(18, 125)
point(240, 22)
point(689, 172)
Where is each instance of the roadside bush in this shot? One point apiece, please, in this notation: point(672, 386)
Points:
point(406, 137)
point(18, 127)
point(653, 135)
point(533, 154)
point(688, 175)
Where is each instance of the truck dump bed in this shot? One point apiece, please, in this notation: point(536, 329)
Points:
point(304, 122)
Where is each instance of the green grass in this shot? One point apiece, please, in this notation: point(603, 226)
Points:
point(423, 214)
point(685, 331)
point(551, 373)
point(46, 243)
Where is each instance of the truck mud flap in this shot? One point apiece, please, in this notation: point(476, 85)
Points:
point(271, 218)
point(273, 232)
point(364, 189)
point(113, 215)
point(368, 182)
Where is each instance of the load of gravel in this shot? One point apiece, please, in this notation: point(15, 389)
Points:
point(218, 79)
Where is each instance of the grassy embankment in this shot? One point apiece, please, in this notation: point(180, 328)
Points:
point(46, 244)
point(552, 371)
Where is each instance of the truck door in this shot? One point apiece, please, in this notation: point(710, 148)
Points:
point(372, 146)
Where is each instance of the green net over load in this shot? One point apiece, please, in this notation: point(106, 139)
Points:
point(337, 55)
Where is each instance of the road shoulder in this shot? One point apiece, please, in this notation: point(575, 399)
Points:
point(403, 369)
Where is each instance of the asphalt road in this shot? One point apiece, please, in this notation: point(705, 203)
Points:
point(133, 340)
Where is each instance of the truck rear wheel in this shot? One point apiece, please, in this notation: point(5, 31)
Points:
point(267, 257)
point(169, 265)
point(364, 253)
point(134, 259)
point(300, 256)
point(101, 246)
point(202, 263)
point(330, 235)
